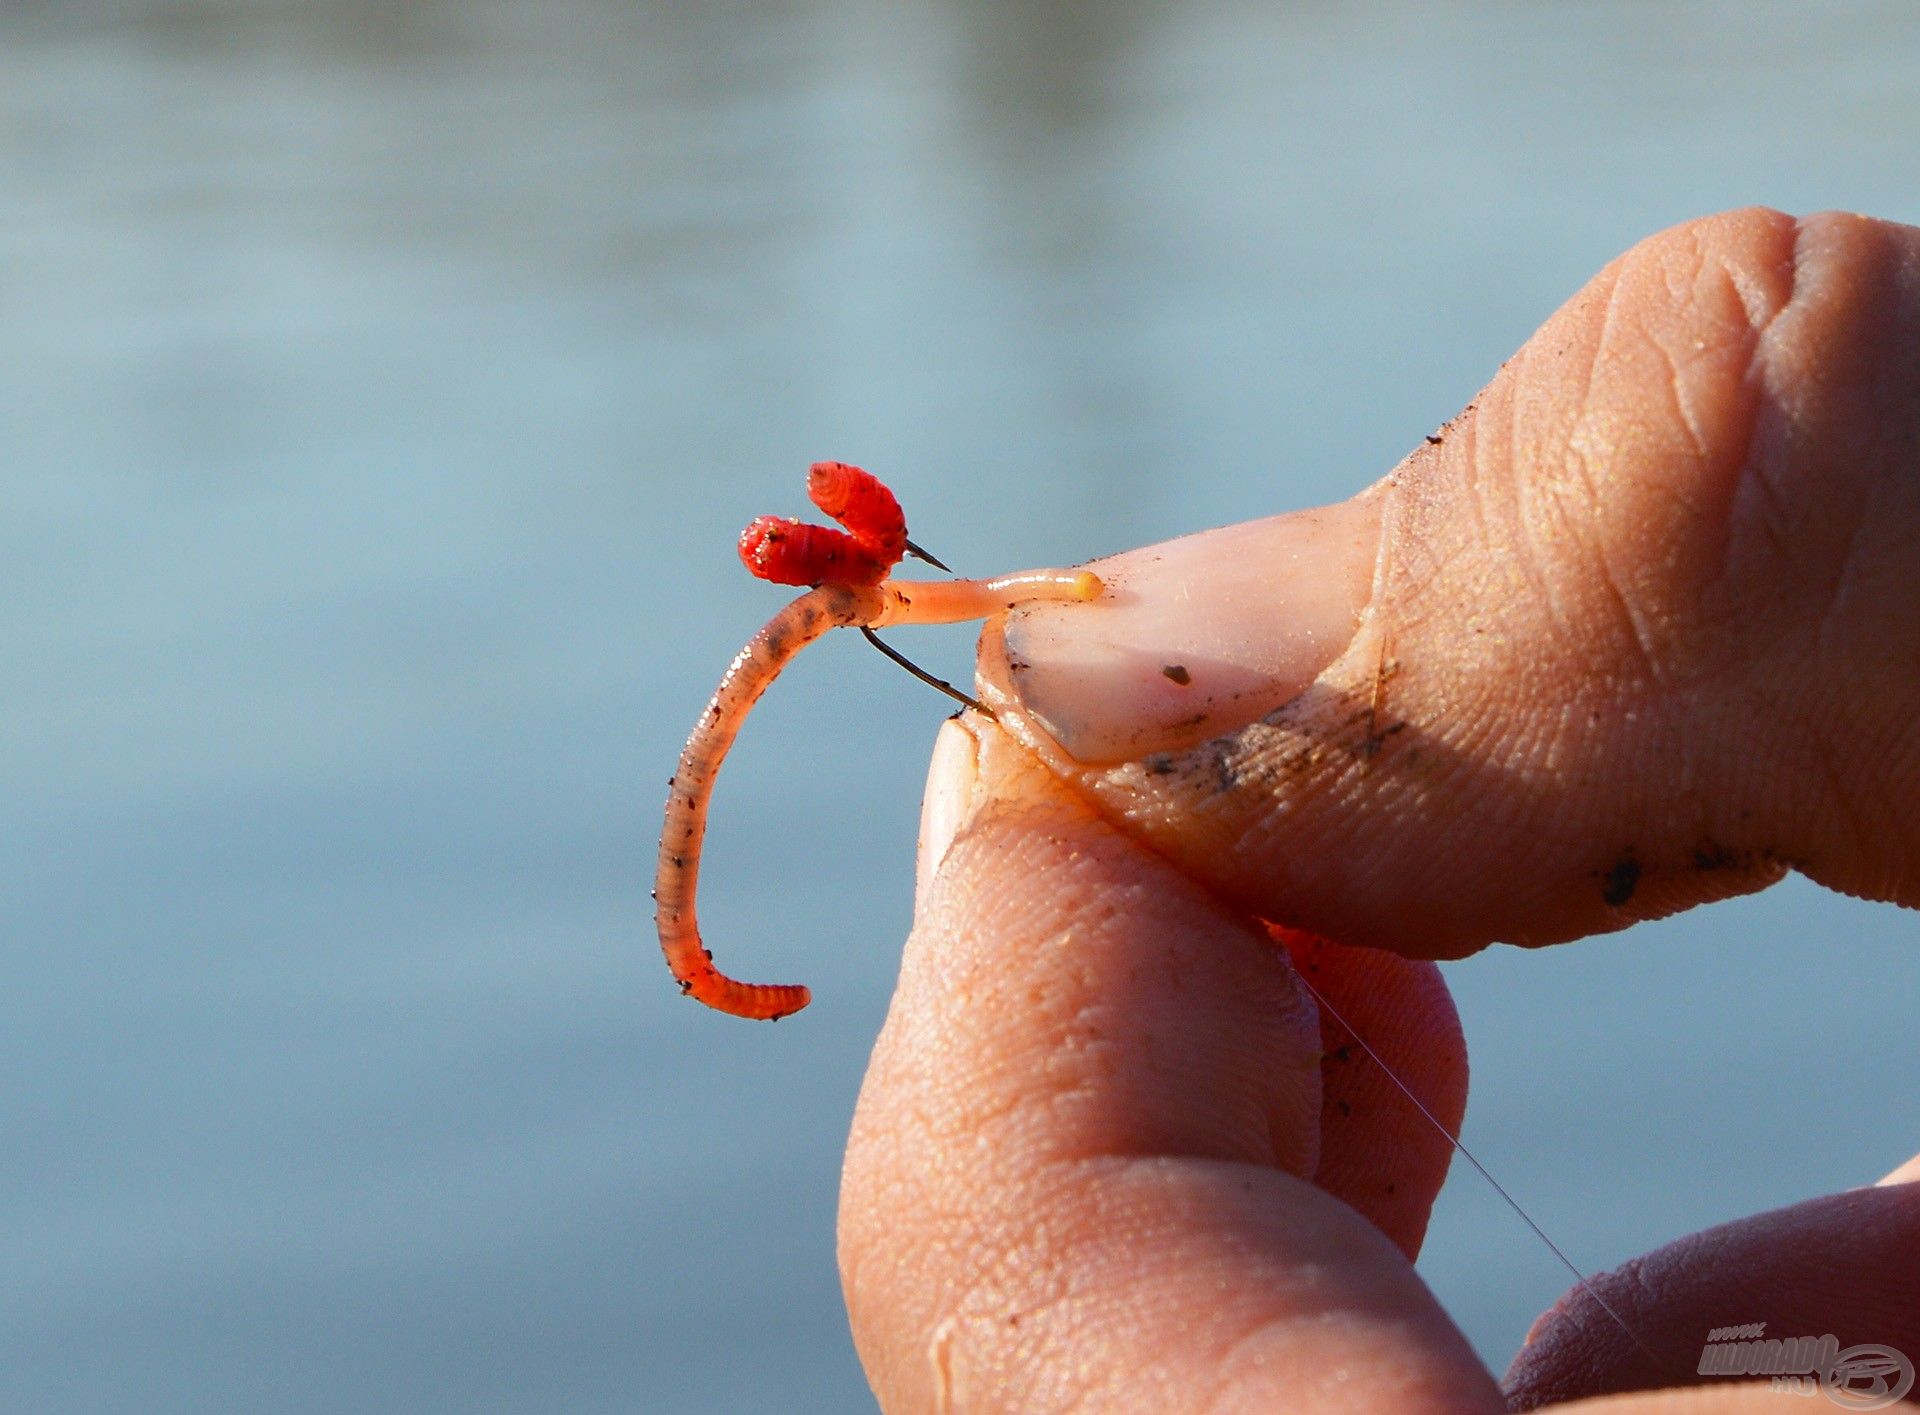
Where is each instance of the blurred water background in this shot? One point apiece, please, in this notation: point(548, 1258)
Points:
point(381, 388)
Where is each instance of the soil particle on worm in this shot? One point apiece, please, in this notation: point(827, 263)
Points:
point(1618, 883)
point(1712, 855)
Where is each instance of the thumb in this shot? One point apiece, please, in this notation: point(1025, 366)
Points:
point(1636, 631)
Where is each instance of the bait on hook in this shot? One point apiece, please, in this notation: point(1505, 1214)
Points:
point(848, 570)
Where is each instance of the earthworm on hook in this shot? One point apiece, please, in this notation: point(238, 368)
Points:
point(848, 570)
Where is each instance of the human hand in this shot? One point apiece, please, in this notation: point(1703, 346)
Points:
point(1638, 630)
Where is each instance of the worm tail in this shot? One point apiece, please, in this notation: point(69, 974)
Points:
point(690, 793)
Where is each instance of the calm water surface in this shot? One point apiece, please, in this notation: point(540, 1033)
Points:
point(381, 388)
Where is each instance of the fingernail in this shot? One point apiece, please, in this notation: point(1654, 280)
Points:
point(1908, 1173)
point(1195, 637)
point(949, 799)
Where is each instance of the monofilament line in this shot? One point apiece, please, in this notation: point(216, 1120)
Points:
point(1554, 1248)
point(925, 677)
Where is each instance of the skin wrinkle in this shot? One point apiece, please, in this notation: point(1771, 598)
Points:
point(1027, 1281)
point(1714, 274)
point(1546, 496)
point(1067, 1299)
point(1023, 1276)
point(1678, 364)
point(1327, 1302)
point(1551, 502)
point(1609, 580)
point(1581, 462)
point(1709, 264)
point(1759, 507)
point(1771, 513)
point(1830, 624)
point(1773, 410)
point(1590, 526)
point(1762, 305)
point(1474, 487)
point(1227, 1382)
point(1459, 720)
point(1613, 274)
point(1778, 358)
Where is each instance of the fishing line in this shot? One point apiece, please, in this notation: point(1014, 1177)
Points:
point(1579, 1277)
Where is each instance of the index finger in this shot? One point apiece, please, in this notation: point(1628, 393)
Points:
point(1081, 1170)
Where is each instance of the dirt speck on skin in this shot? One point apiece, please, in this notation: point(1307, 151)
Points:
point(1177, 672)
point(1714, 856)
point(1619, 883)
point(1159, 764)
point(1370, 745)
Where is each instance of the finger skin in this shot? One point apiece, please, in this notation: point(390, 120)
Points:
point(1906, 1173)
point(1078, 1174)
point(1643, 631)
point(1842, 1264)
point(1379, 1153)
